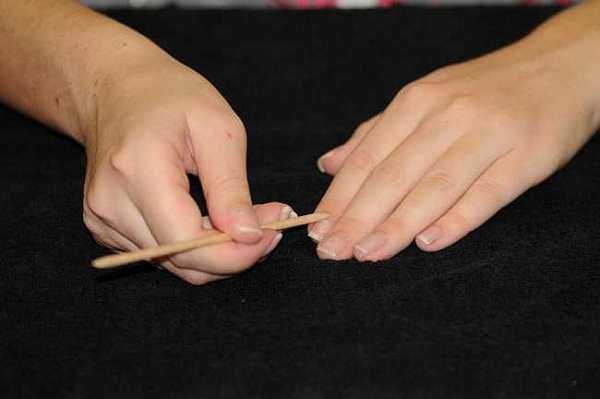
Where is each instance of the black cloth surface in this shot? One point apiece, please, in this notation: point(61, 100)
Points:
point(510, 311)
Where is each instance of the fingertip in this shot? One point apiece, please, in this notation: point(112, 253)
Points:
point(432, 239)
point(328, 163)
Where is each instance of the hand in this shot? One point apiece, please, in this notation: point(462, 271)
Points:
point(456, 146)
point(156, 123)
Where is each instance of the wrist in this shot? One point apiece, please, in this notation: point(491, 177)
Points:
point(570, 41)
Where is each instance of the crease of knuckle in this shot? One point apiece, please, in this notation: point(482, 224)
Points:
point(440, 181)
point(351, 225)
point(457, 222)
point(399, 224)
point(389, 172)
point(492, 192)
point(332, 206)
point(361, 160)
point(122, 163)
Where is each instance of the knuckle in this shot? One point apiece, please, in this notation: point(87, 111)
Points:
point(417, 91)
point(462, 107)
point(388, 172)
point(90, 221)
point(235, 126)
point(224, 120)
point(398, 222)
point(121, 162)
point(361, 160)
point(493, 192)
point(421, 93)
point(352, 225)
point(441, 181)
point(457, 221)
point(96, 203)
point(100, 239)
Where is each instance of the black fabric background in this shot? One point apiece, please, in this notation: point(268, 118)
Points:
point(510, 311)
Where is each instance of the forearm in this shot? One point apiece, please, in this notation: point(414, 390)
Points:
point(57, 54)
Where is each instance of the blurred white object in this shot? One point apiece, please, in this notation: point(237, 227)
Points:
point(294, 3)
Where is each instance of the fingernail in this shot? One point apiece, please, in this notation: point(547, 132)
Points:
point(247, 222)
point(321, 159)
point(206, 224)
point(286, 213)
point(367, 248)
point(320, 229)
point(273, 244)
point(332, 247)
point(430, 235)
point(293, 214)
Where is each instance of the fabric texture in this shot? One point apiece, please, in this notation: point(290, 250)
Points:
point(511, 311)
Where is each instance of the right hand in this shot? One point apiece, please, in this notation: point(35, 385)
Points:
point(154, 124)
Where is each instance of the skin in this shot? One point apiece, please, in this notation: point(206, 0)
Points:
point(459, 144)
point(145, 121)
point(449, 151)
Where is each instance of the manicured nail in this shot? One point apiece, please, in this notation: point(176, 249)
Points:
point(332, 247)
point(247, 223)
point(273, 244)
point(367, 248)
point(320, 229)
point(430, 235)
point(206, 224)
point(285, 213)
point(322, 158)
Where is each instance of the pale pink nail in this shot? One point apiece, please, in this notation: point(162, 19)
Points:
point(286, 213)
point(206, 224)
point(322, 158)
point(320, 229)
point(332, 246)
point(247, 222)
point(368, 247)
point(430, 235)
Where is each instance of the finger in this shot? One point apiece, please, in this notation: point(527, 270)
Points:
point(440, 188)
point(219, 151)
point(397, 122)
point(232, 257)
point(497, 187)
point(127, 218)
point(172, 215)
point(332, 161)
point(386, 186)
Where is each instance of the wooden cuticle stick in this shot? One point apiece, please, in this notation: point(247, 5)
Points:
point(116, 260)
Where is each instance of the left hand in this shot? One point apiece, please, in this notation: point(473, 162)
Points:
point(456, 146)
